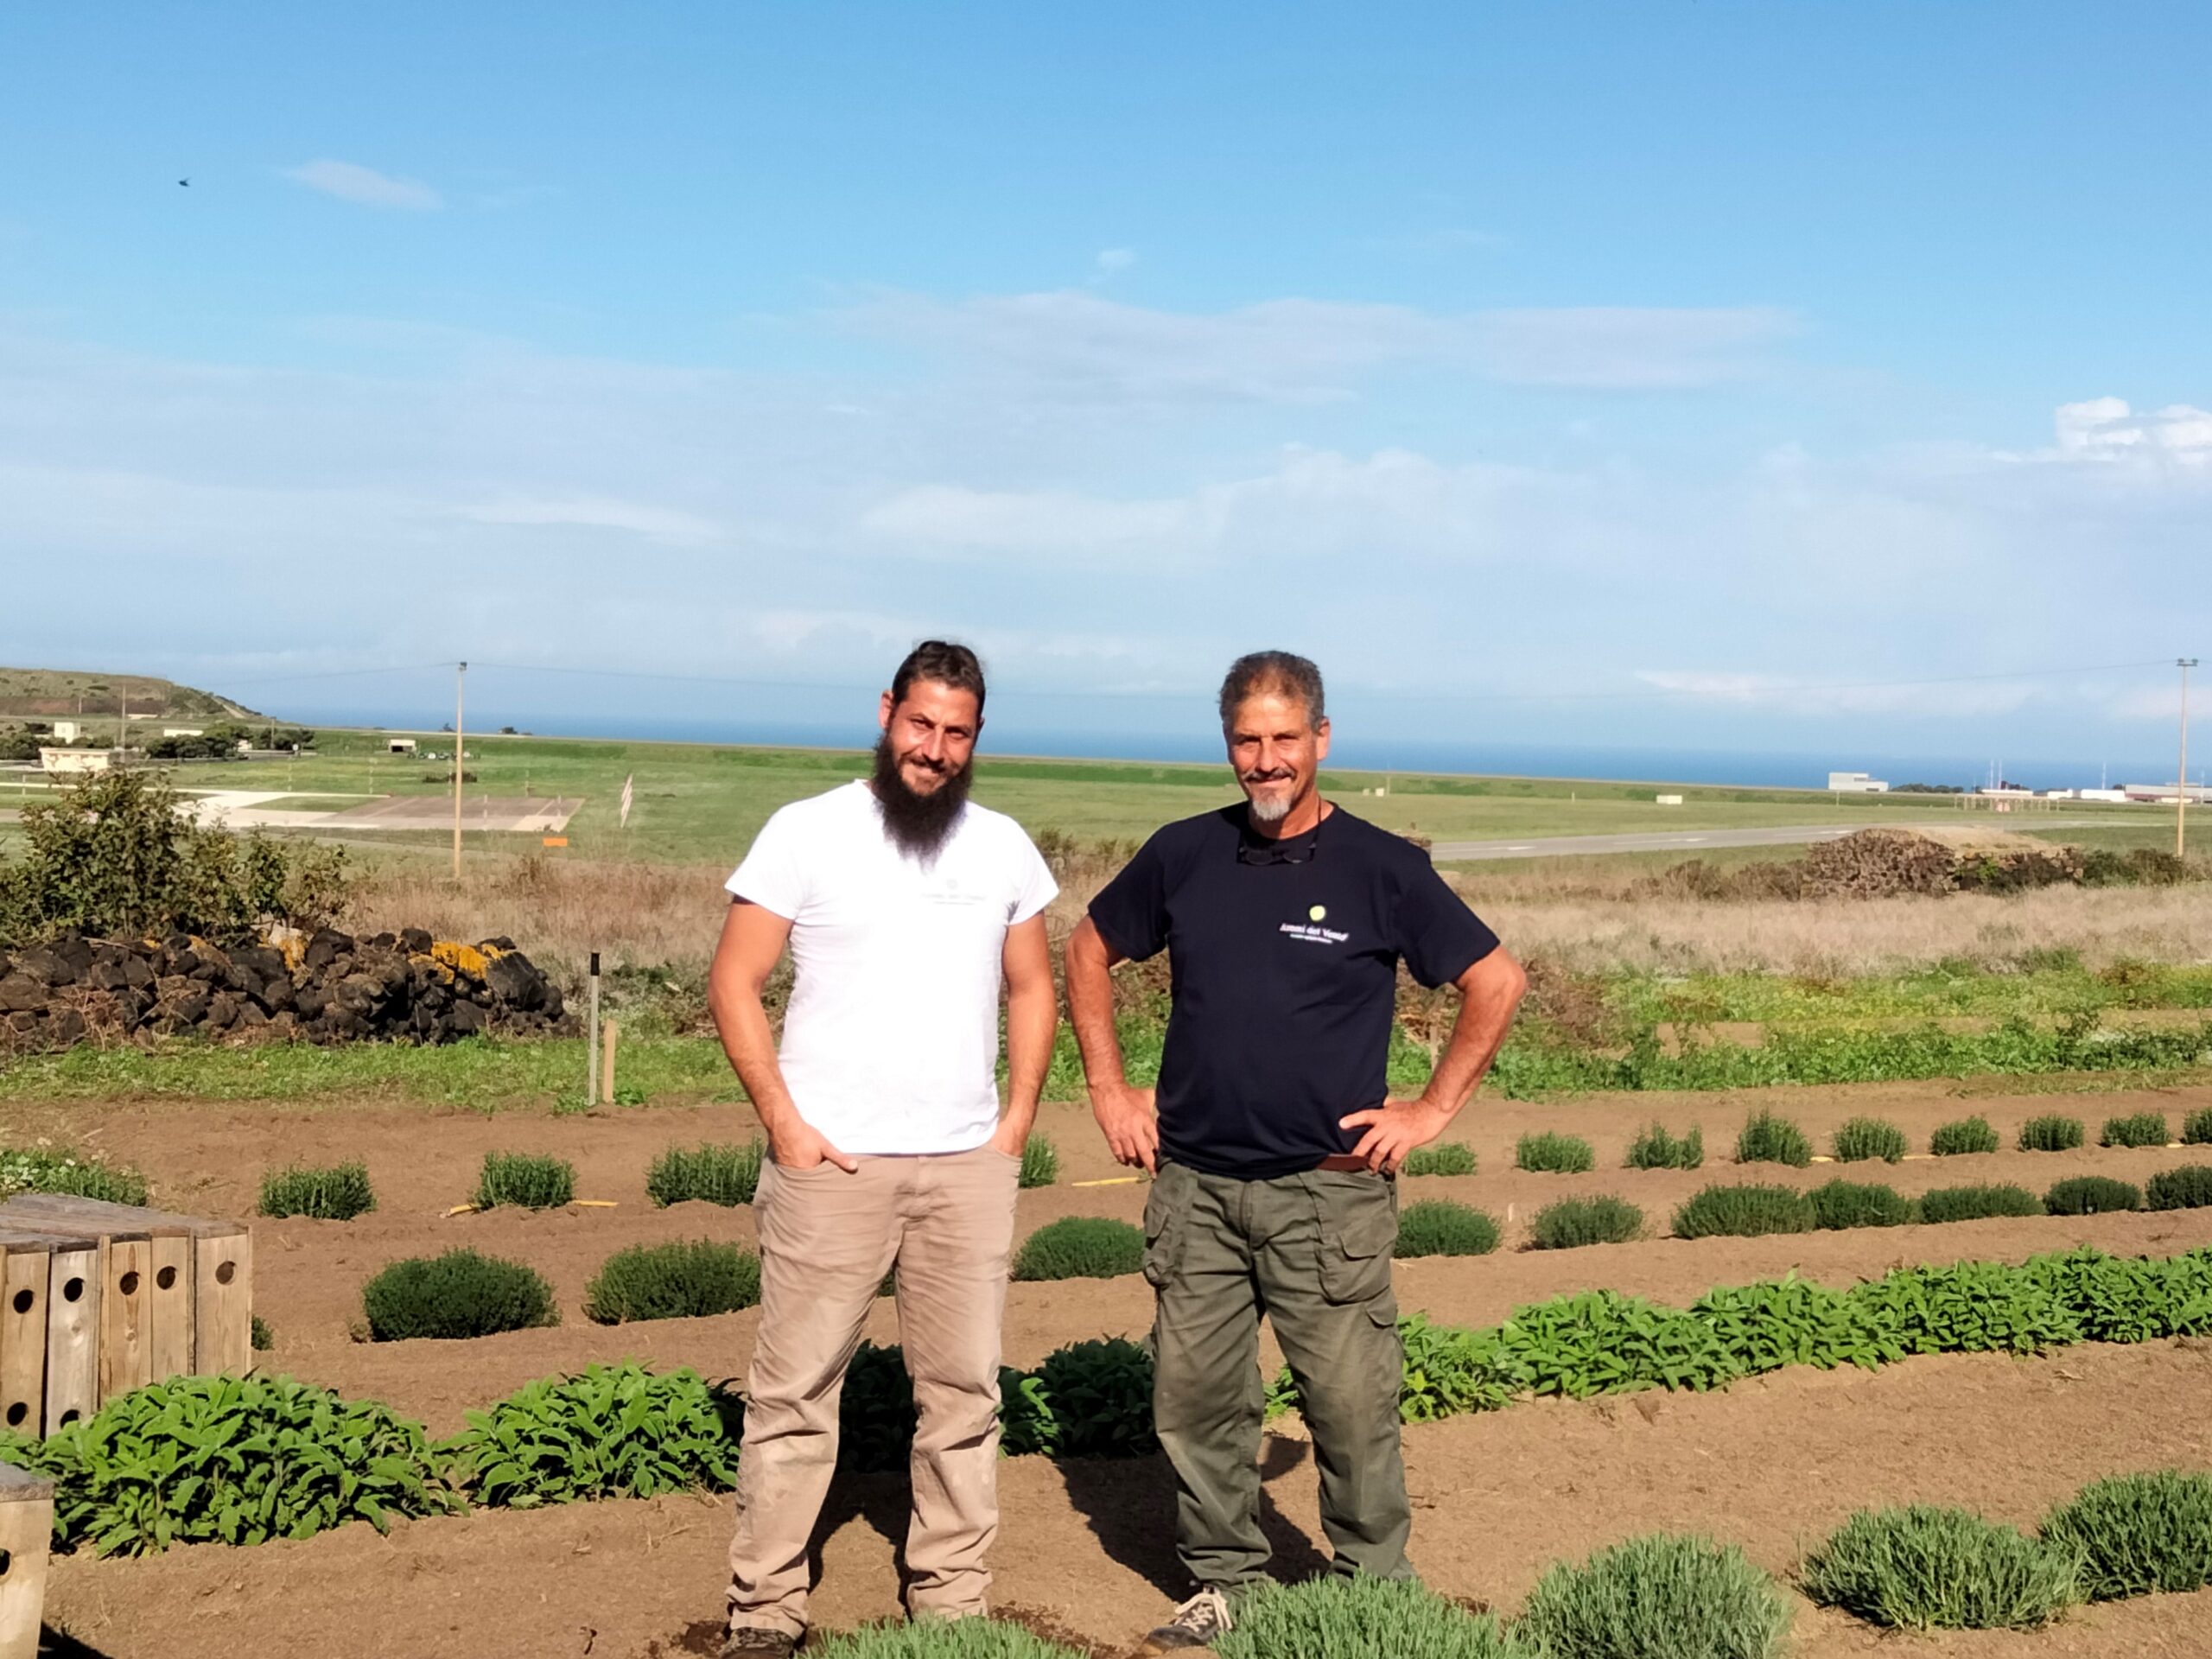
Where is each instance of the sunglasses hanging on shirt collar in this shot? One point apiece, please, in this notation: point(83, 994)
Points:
point(1301, 849)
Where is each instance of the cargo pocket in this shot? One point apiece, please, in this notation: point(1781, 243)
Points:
point(1358, 1217)
point(1167, 1217)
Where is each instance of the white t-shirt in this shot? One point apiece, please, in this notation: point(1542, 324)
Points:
point(891, 1042)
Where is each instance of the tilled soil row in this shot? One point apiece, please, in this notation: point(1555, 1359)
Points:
point(1771, 1464)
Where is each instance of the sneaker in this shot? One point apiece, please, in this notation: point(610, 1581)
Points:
point(759, 1642)
point(1199, 1622)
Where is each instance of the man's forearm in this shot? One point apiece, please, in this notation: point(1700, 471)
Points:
point(1091, 1010)
point(1032, 1020)
point(1486, 1011)
point(742, 1023)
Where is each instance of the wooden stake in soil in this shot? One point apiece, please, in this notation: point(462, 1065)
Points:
point(606, 1062)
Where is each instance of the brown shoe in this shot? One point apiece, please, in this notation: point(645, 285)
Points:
point(759, 1642)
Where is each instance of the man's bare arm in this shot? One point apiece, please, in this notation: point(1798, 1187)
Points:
point(1032, 1020)
point(753, 938)
point(1123, 1113)
point(1490, 991)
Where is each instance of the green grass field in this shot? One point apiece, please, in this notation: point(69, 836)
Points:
point(698, 801)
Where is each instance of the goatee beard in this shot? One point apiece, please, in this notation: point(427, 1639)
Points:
point(918, 825)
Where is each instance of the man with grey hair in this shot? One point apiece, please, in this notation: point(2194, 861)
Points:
point(1272, 1139)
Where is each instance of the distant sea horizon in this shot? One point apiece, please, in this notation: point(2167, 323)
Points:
point(1759, 769)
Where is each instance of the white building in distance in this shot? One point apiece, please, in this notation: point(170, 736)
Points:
point(1857, 782)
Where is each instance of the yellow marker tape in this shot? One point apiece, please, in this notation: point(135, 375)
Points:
point(595, 1203)
point(1113, 1180)
point(462, 1210)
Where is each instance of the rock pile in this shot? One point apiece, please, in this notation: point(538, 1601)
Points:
point(328, 987)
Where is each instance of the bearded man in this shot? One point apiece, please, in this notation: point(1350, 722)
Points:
point(905, 904)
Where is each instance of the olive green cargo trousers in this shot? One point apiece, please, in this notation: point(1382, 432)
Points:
point(1313, 1252)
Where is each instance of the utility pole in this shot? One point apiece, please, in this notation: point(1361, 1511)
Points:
point(459, 686)
point(2181, 793)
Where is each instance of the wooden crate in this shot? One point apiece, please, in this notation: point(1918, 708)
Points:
point(26, 1531)
point(103, 1298)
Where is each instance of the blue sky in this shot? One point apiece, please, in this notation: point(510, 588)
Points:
point(1663, 375)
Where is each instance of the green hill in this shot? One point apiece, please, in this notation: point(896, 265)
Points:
point(50, 694)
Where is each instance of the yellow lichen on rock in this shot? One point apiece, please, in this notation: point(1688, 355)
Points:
point(468, 959)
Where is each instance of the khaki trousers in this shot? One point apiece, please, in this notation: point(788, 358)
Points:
point(827, 1239)
point(1313, 1252)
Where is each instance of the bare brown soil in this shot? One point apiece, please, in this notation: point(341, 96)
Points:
point(1771, 1464)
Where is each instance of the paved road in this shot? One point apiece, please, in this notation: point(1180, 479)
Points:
point(1697, 841)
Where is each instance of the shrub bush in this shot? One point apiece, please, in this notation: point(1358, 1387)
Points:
point(1441, 1227)
point(1657, 1149)
point(1837, 1204)
point(2189, 1187)
point(724, 1173)
point(1978, 1203)
point(1965, 1135)
point(2053, 1132)
point(1363, 1618)
point(1441, 1158)
point(1744, 1212)
point(1663, 1596)
point(1098, 1399)
point(1041, 1162)
point(928, 1637)
point(338, 1193)
point(259, 1335)
point(1573, 1221)
point(2197, 1128)
point(1556, 1155)
point(1767, 1138)
point(2136, 1534)
point(1080, 1247)
point(875, 1418)
point(1925, 1568)
point(42, 1169)
point(526, 1179)
point(2136, 1129)
point(1865, 1138)
point(616, 1430)
point(2090, 1195)
point(676, 1280)
point(237, 1460)
point(458, 1295)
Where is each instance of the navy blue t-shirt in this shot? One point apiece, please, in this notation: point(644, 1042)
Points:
point(1284, 978)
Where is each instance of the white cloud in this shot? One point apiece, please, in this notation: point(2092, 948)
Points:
point(2106, 428)
point(1771, 693)
point(1080, 346)
point(595, 513)
point(1113, 259)
point(350, 181)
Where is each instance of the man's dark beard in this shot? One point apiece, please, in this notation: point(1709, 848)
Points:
point(918, 824)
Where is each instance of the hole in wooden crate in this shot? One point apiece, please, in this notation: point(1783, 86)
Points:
point(166, 1278)
point(17, 1410)
point(23, 1301)
point(128, 1283)
point(70, 1417)
point(6, 1562)
point(224, 1272)
point(72, 1289)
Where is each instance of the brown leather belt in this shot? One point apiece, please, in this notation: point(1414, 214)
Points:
point(1342, 1161)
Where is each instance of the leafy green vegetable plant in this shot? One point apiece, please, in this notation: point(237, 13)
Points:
point(338, 1193)
point(44, 1169)
point(1766, 1139)
point(2052, 1132)
point(1363, 1618)
point(1444, 1227)
point(1099, 1395)
point(1080, 1247)
point(2137, 1533)
point(525, 1179)
point(675, 1280)
point(1744, 1212)
point(1926, 1567)
point(1854, 1203)
point(2136, 1129)
point(235, 1460)
point(1655, 1149)
point(1441, 1158)
point(1554, 1154)
point(2090, 1195)
point(615, 1430)
point(458, 1295)
point(1663, 1596)
point(1571, 1223)
point(1966, 1135)
point(1864, 1138)
point(876, 1416)
point(1978, 1203)
point(723, 1173)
